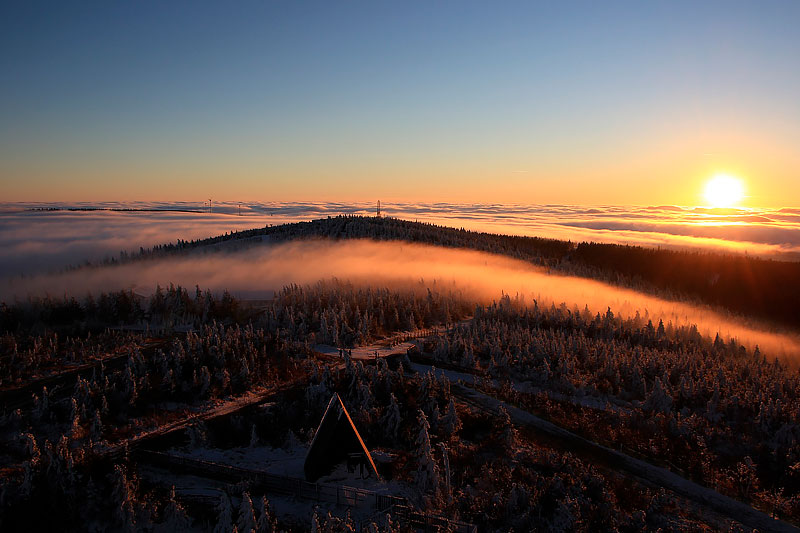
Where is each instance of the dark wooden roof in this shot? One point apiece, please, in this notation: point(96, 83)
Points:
point(336, 438)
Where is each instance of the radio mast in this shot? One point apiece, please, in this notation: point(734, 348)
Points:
point(379, 209)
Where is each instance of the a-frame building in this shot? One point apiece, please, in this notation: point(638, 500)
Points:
point(335, 441)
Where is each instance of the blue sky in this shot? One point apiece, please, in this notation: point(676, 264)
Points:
point(331, 100)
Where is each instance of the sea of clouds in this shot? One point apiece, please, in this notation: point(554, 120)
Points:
point(33, 240)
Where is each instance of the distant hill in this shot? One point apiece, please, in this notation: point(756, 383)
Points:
point(761, 288)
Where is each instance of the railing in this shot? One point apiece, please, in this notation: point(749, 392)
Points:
point(382, 504)
point(416, 334)
point(278, 484)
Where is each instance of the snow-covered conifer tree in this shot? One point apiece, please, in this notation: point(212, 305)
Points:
point(175, 518)
point(508, 433)
point(390, 421)
point(427, 475)
point(267, 523)
point(246, 523)
point(122, 499)
point(224, 514)
point(253, 436)
point(658, 400)
point(450, 423)
point(96, 428)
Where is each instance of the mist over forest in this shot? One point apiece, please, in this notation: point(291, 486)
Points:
point(259, 272)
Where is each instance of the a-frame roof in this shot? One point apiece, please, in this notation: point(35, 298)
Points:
point(335, 438)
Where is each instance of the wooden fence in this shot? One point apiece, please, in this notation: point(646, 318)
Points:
point(276, 484)
point(416, 334)
point(382, 504)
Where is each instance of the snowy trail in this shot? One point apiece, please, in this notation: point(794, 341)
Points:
point(224, 408)
point(232, 405)
point(364, 353)
point(398, 343)
point(662, 477)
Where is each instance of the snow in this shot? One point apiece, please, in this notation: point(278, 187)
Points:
point(279, 461)
point(592, 402)
point(659, 476)
point(366, 353)
point(273, 460)
point(289, 462)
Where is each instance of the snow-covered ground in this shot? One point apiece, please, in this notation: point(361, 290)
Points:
point(366, 353)
point(280, 461)
point(197, 488)
point(287, 461)
point(592, 402)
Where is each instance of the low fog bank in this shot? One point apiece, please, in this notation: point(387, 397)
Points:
point(37, 241)
point(258, 272)
point(44, 241)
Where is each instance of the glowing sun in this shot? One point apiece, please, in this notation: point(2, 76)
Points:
point(723, 190)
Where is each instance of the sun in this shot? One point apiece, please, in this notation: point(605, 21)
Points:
point(723, 190)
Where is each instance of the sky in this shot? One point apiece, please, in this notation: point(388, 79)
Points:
point(613, 103)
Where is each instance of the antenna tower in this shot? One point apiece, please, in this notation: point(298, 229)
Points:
point(379, 209)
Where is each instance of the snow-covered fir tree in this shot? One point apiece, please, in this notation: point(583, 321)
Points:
point(427, 474)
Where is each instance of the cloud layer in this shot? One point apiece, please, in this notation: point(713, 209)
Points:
point(36, 241)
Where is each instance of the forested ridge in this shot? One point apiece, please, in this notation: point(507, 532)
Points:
point(761, 288)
